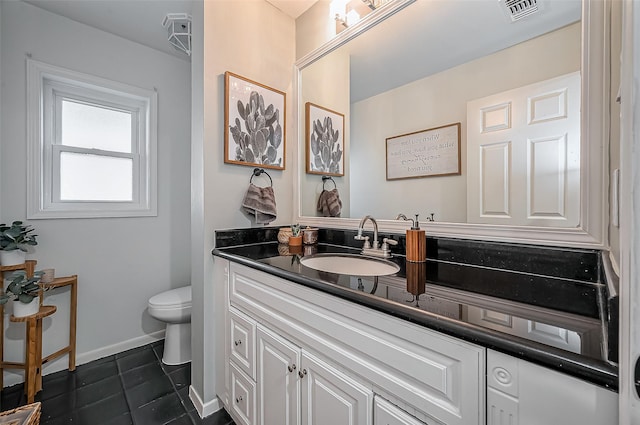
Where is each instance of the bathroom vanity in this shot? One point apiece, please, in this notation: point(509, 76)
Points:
point(453, 343)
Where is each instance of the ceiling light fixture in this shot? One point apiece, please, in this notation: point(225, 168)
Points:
point(348, 12)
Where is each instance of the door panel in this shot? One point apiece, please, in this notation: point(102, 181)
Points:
point(523, 155)
point(278, 383)
point(329, 397)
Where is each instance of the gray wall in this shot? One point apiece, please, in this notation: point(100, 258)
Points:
point(121, 262)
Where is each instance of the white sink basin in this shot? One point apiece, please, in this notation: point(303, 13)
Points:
point(350, 264)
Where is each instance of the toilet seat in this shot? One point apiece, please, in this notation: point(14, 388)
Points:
point(173, 298)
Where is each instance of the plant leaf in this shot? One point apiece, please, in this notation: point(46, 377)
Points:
point(241, 109)
point(25, 298)
point(248, 155)
point(277, 136)
point(313, 143)
point(260, 143)
point(271, 154)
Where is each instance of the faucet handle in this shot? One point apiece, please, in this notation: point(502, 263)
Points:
point(386, 252)
point(389, 242)
point(366, 245)
point(386, 242)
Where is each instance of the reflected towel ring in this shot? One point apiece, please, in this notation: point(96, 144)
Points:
point(257, 172)
point(324, 180)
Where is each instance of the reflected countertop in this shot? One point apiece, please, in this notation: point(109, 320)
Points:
point(552, 321)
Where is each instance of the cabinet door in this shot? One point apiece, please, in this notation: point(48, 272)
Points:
point(278, 382)
point(330, 398)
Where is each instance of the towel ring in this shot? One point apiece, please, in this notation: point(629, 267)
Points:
point(257, 172)
point(324, 180)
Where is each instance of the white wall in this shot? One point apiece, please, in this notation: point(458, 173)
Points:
point(314, 28)
point(253, 39)
point(438, 100)
point(326, 84)
point(120, 262)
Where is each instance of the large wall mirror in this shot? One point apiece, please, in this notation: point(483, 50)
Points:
point(436, 63)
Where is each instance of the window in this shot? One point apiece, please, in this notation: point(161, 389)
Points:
point(92, 146)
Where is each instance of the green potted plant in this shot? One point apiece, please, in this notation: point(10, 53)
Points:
point(14, 240)
point(25, 292)
point(296, 238)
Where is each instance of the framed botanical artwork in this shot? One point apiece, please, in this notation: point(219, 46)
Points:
point(254, 122)
point(324, 140)
point(432, 152)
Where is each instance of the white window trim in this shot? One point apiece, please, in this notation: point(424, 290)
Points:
point(40, 201)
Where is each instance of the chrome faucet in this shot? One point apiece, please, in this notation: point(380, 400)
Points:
point(359, 237)
point(374, 249)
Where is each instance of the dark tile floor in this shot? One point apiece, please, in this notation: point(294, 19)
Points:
point(133, 387)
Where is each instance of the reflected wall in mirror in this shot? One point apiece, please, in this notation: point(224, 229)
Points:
point(419, 69)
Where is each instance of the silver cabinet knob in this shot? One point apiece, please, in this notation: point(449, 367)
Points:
point(302, 373)
point(291, 368)
point(238, 342)
point(238, 399)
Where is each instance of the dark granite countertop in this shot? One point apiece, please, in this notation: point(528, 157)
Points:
point(450, 297)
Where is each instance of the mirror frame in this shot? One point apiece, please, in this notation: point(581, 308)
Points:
point(594, 127)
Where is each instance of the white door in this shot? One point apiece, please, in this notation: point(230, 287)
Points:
point(331, 398)
point(523, 155)
point(278, 382)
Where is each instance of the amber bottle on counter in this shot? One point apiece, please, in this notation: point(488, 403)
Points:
point(416, 243)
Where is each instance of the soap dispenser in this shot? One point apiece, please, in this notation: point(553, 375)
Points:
point(416, 243)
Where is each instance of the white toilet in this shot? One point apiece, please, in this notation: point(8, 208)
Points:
point(174, 308)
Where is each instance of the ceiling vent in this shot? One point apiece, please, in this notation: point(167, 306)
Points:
point(178, 26)
point(518, 9)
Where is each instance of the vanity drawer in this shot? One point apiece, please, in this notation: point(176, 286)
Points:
point(243, 342)
point(243, 397)
point(385, 413)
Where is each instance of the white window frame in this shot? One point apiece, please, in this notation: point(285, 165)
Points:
point(47, 86)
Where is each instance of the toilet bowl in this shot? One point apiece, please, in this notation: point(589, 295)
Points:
point(174, 308)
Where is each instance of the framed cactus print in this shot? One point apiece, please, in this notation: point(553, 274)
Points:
point(255, 123)
point(324, 139)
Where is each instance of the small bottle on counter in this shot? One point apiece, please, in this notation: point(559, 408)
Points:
point(416, 243)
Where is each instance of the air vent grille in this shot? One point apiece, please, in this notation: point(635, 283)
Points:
point(519, 9)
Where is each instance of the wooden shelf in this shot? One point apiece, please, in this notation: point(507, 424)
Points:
point(45, 310)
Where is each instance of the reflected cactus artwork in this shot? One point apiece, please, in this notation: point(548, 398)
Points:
point(325, 141)
point(325, 147)
point(254, 118)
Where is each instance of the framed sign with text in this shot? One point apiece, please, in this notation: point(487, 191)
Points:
point(426, 153)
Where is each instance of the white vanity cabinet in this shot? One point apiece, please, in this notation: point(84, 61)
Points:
point(319, 359)
point(522, 393)
point(290, 386)
point(296, 387)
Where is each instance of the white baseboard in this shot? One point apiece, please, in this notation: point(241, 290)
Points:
point(204, 409)
point(16, 376)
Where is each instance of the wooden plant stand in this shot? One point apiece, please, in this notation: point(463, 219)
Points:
point(34, 360)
